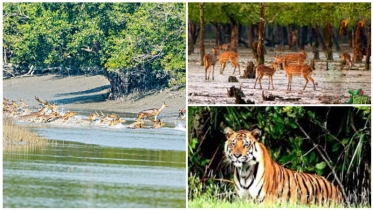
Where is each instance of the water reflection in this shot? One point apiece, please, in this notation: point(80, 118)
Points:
point(83, 169)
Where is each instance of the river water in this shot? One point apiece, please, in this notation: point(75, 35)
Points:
point(90, 166)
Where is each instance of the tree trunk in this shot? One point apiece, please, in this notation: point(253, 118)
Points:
point(358, 43)
point(320, 38)
point(368, 49)
point(315, 47)
point(201, 31)
point(336, 41)
point(328, 41)
point(290, 38)
point(234, 31)
point(135, 82)
point(260, 51)
point(190, 40)
point(217, 40)
point(250, 35)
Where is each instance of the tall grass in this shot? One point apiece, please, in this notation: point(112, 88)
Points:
point(222, 195)
point(14, 134)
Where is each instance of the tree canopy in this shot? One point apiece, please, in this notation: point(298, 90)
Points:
point(82, 36)
point(283, 13)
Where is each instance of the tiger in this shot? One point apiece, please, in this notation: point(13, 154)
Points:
point(257, 176)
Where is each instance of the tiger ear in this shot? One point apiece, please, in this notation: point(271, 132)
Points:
point(256, 133)
point(228, 132)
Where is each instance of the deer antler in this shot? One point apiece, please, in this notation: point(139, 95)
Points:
point(37, 98)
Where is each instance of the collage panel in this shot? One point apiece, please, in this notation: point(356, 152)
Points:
point(279, 53)
point(94, 105)
point(279, 156)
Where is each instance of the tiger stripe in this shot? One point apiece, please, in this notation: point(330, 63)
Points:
point(258, 176)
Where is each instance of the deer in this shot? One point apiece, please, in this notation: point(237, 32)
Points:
point(47, 118)
point(262, 70)
point(149, 113)
point(224, 47)
point(53, 106)
point(346, 60)
point(229, 56)
point(182, 113)
point(136, 125)
point(297, 70)
point(33, 116)
point(115, 119)
point(209, 60)
point(63, 118)
point(299, 58)
point(158, 124)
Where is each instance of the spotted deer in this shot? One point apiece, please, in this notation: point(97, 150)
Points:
point(229, 56)
point(262, 70)
point(298, 70)
point(299, 58)
point(209, 60)
point(346, 60)
point(149, 113)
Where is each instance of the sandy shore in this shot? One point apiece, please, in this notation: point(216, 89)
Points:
point(84, 94)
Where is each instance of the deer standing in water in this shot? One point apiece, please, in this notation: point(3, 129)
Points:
point(298, 70)
point(149, 113)
point(209, 60)
point(262, 70)
point(182, 113)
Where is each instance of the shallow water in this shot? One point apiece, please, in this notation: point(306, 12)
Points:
point(97, 167)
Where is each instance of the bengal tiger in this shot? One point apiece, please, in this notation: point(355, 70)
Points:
point(258, 176)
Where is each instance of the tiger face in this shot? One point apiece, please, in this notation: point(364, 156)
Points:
point(240, 146)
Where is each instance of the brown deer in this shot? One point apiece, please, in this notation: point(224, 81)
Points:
point(158, 124)
point(262, 70)
point(47, 118)
point(53, 107)
point(33, 116)
point(297, 70)
point(63, 118)
point(209, 60)
point(229, 56)
point(182, 113)
point(92, 117)
point(299, 58)
point(136, 124)
point(116, 119)
point(149, 113)
point(346, 60)
point(224, 47)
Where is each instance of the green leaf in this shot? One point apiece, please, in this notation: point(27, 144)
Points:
point(335, 147)
point(321, 165)
point(345, 141)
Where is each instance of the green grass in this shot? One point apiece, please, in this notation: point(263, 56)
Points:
point(210, 202)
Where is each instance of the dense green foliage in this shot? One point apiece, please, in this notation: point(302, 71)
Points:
point(308, 139)
point(283, 13)
point(79, 37)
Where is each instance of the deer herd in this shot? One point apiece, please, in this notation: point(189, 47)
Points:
point(48, 113)
point(293, 65)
